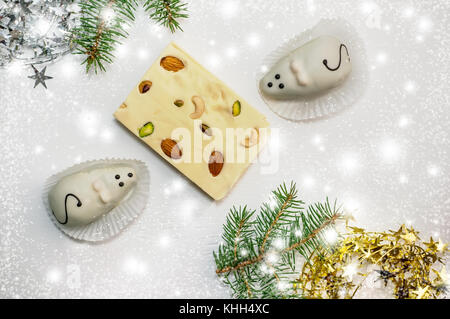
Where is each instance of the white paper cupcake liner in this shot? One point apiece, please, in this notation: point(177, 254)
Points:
point(119, 217)
point(333, 100)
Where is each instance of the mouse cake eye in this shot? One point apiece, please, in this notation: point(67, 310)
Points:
point(130, 175)
point(269, 84)
point(281, 85)
point(117, 176)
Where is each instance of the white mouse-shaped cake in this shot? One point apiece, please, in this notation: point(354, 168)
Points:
point(85, 196)
point(315, 67)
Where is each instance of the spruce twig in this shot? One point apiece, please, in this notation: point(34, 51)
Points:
point(102, 26)
point(167, 12)
point(292, 247)
point(244, 259)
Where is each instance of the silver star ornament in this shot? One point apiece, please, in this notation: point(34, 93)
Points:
point(39, 76)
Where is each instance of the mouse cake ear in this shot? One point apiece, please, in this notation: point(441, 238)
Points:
point(298, 70)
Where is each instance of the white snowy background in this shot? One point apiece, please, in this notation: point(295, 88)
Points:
point(386, 158)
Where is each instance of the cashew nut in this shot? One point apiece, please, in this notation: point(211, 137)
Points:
point(199, 107)
point(252, 140)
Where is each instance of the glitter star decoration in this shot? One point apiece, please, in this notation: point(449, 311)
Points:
point(441, 247)
point(22, 26)
point(39, 76)
point(403, 260)
point(420, 293)
point(409, 236)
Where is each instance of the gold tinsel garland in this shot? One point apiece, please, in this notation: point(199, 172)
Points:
point(401, 258)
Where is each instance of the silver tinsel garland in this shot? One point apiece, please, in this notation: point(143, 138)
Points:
point(36, 31)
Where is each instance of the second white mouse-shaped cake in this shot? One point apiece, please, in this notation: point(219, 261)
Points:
point(83, 197)
point(315, 67)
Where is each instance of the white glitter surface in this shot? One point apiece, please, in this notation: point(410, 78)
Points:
point(385, 158)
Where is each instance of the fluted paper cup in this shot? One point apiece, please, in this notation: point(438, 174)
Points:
point(113, 222)
point(331, 101)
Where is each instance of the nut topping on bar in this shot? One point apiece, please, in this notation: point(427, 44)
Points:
point(179, 103)
point(215, 164)
point(236, 109)
point(171, 63)
point(252, 140)
point(171, 148)
point(206, 129)
point(144, 86)
point(199, 107)
point(146, 130)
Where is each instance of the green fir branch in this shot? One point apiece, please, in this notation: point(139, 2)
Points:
point(103, 22)
point(273, 217)
point(101, 27)
point(167, 12)
point(284, 229)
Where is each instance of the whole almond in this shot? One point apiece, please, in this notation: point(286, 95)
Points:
point(171, 63)
point(215, 164)
point(171, 148)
